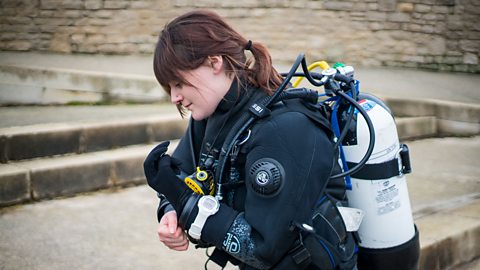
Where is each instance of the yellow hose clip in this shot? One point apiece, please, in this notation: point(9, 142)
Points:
point(201, 175)
point(199, 184)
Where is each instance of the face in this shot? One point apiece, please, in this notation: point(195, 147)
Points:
point(209, 84)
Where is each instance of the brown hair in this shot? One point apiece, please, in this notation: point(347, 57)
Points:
point(186, 42)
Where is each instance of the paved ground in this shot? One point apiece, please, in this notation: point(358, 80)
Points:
point(116, 230)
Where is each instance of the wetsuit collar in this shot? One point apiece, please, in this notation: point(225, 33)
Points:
point(234, 104)
point(230, 98)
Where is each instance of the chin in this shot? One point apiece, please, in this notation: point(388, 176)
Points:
point(198, 117)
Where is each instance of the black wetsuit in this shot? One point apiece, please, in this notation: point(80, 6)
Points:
point(254, 225)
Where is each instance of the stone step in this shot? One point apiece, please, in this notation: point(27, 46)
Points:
point(409, 128)
point(451, 237)
point(44, 178)
point(34, 141)
point(452, 118)
point(42, 85)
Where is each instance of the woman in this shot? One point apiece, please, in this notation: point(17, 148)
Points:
point(275, 176)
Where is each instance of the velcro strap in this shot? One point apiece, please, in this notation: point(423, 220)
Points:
point(377, 171)
point(219, 257)
point(301, 256)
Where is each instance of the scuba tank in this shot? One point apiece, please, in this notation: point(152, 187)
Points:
point(389, 239)
point(388, 236)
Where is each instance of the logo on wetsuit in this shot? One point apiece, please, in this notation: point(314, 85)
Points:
point(262, 178)
point(231, 243)
point(265, 177)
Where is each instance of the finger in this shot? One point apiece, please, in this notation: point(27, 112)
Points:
point(176, 162)
point(164, 144)
point(178, 232)
point(152, 159)
point(165, 235)
point(178, 236)
point(175, 242)
point(171, 241)
point(156, 154)
point(158, 150)
point(165, 161)
point(171, 221)
point(163, 230)
point(181, 248)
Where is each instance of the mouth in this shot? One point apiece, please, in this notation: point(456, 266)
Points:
point(186, 106)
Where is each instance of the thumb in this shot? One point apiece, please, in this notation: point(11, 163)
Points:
point(172, 222)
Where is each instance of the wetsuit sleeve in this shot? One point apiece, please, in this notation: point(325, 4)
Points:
point(260, 235)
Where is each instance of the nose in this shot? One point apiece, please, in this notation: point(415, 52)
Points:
point(175, 97)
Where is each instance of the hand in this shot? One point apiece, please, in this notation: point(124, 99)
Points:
point(170, 234)
point(150, 165)
point(160, 171)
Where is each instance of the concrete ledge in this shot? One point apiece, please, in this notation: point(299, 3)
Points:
point(68, 175)
point(455, 128)
point(101, 137)
point(416, 127)
point(34, 85)
point(28, 142)
point(453, 118)
point(40, 143)
point(456, 111)
point(450, 238)
point(14, 185)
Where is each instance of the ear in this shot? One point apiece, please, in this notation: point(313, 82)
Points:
point(216, 62)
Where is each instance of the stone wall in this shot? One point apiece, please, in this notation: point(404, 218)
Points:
point(434, 34)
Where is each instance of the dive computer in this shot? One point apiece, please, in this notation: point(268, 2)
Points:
point(207, 206)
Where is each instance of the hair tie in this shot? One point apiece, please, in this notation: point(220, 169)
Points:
point(248, 47)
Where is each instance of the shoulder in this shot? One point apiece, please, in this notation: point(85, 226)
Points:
point(286, 126)
point(293, 117)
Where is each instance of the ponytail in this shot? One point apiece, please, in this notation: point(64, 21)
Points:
point(264, 74)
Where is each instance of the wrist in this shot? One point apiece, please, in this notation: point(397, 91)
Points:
point(164, 206)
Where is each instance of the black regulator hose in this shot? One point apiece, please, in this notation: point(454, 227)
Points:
point(244, 122)
point(348, 123)
point(371, 142)
point(312, 78)
point(305, 94)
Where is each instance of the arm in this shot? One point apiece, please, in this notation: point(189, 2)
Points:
point(260, 236)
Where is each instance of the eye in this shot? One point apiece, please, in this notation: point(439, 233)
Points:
point(176, 85)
